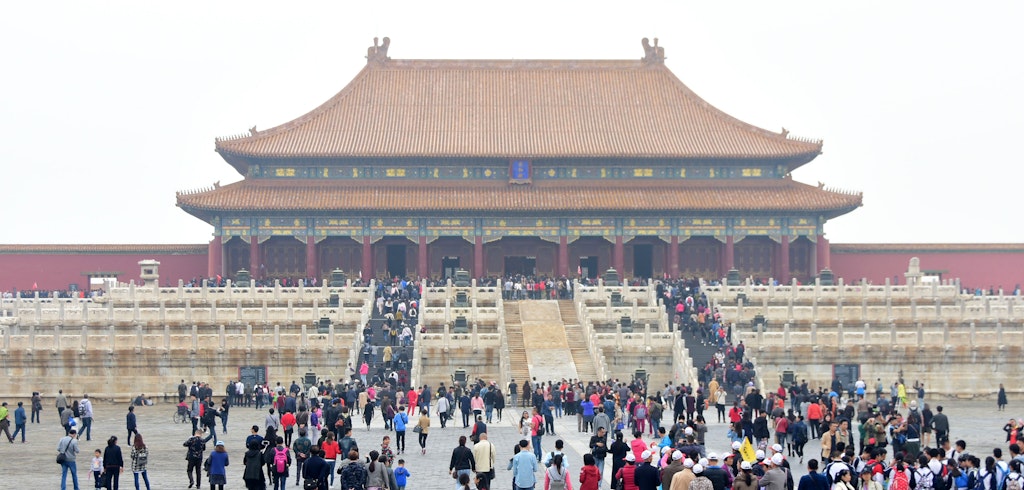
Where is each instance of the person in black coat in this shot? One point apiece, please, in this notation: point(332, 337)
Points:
point(647, 477)
point(253, 461)
point(316, 468)
point(113, 463)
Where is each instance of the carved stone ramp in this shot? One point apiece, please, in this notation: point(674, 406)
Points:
point(547, 349)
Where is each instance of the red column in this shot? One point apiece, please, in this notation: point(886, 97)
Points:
point(618, 257)
point(478, 257)
point(312, 268)
point(823, 253)
point(254, 256)
point(215, 258)
point(423, 265)
point(367, 271)
point(563, 256)
point(729, 261)
point(673, 257)
point(784, 260)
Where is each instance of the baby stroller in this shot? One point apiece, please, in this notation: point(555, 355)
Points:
point(181, 414)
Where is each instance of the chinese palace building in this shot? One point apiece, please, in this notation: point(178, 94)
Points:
point(546, 167)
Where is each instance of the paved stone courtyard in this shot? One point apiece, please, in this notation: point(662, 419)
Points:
point(31, 465)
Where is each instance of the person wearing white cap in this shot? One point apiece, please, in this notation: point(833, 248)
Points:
point(776, 476)
point(700, 482)
point(682, 479)
point(627, 473)
point(713, 471)
point(647, 475)
point(675, 466)
point(746, 480)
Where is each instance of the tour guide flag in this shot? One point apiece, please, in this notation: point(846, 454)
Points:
point(747, 451)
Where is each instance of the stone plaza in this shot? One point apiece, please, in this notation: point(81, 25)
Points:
point(31, 465)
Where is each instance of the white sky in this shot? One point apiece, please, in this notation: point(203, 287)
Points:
point(108, 108)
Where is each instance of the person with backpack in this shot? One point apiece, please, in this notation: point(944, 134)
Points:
point(399, 423)
point(280, 460)
point(353, 473)
point(556, 477)
point(537, 432)
point(550, 456)
point(140, 458)
point(301, 446)
point(194, 456)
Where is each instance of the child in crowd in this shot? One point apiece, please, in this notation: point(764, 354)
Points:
point(97, 467)
point(401, 475)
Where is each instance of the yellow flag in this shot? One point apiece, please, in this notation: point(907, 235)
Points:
point(747, 451)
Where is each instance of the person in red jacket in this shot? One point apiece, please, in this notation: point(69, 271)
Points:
point(627, 474)
point(590, 477)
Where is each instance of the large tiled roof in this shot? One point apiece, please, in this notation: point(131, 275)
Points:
point(510, 108)
point(768, 195)
point(102, 249)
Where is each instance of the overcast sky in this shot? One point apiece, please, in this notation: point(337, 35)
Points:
point(108, 108)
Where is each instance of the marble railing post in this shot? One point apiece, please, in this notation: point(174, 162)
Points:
point(945, 333)
point(647, 334)
point(32, 337)
point(330, 337)
point(636, 309)
point(291, 312)
point(84, 342)
point(167, 337)
point(248, 337)
point(867, 333)
point(475, 338)
point(839, 309)
point(195, 338)
point(277, 336)
point(472, 312)
point(785, 335)
point(264, 314)
point(814, 334)
point(112, 338)
point(888, 308)
point(181, 290)
point(920, 334)
point(56, 338)
point(974, 331)
point(138, 338)
point(814, 304)
point(188, 311)
point(892, 333)
point(999, 333)
point(303, 338)
point(205, 290)
point(739, 309)
point(60, 311)
point(839, 336)
point(447, 313)
point(913, 309)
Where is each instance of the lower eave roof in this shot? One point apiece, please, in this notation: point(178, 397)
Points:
point(431, 197)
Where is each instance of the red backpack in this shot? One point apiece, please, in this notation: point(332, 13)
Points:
point(899, 480)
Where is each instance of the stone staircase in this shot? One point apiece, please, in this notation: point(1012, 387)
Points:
point(580, 353)
point(520, 368)
point(585, 368)
point(567, 309)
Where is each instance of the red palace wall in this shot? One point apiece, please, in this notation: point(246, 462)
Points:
point(55, 267)
point(976, 265)
point(52, 267)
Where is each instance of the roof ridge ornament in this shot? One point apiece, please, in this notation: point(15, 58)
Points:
point(378, 53)
point(653, 54)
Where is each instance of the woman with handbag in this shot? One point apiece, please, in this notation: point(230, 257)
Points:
point(423, 429)
point(113, 464)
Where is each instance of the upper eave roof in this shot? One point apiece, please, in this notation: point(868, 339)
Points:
point(517, 109)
